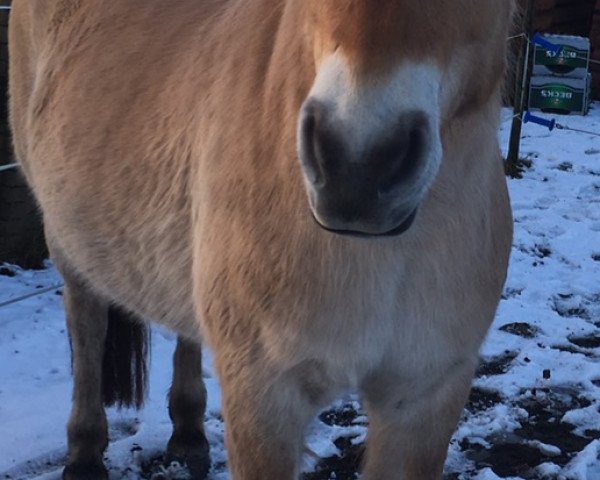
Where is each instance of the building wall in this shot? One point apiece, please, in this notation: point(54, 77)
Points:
point(595, 38)
point(570, 17)
point(21, 232)
point(4, 138)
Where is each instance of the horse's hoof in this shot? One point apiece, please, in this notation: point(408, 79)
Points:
point(192, 453)
point(85, 471)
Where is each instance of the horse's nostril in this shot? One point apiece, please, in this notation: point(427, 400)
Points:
point(381, 165)
point(320, 149)
point(308, 148)
point(417, 142)
point(307, 151)
point(399, 157)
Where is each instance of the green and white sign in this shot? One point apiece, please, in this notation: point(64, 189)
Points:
point(560, 95)
point(572, 61)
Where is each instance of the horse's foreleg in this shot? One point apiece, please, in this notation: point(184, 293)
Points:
point(187, 404)
point(410, 428)
point(266, 412)
point(87, 319)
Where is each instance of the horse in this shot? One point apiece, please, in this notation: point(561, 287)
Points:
point(314, 188)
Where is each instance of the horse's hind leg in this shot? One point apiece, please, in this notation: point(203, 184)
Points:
point(187, 404)
point(87, 321)
point(410, 428)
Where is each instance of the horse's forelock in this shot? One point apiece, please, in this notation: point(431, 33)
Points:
point(375, 40)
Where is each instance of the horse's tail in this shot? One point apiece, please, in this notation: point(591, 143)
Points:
point(124, 368)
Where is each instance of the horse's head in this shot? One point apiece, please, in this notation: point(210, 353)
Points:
point(390, 76)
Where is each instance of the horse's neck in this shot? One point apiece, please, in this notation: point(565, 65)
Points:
point(291, 65)
point(268, 72)
point(471, 155)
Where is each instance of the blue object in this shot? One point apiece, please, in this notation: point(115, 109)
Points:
point(542, 42)
point(549, 124)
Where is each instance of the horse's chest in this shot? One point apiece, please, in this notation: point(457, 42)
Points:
point(349, 325)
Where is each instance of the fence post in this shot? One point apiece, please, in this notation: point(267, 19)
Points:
point(521, 94)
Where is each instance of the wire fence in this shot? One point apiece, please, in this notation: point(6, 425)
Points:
point(38, 292)
point(10, 166)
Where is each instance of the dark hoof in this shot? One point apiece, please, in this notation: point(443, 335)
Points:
point(91, 471)
point(191, 451)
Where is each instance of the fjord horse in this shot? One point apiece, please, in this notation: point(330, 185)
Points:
point(313, 187)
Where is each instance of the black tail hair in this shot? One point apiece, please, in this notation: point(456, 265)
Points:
point(124, 367)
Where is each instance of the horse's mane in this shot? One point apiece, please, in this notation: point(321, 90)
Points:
point(63, 10)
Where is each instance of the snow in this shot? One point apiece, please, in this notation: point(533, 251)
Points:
point(540, 361)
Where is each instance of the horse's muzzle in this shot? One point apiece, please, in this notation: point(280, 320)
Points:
point(367, 189)
point(399, 230)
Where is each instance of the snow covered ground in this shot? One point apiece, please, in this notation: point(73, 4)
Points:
point(534, 410)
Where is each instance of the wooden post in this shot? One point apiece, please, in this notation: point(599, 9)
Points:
point(521, 94)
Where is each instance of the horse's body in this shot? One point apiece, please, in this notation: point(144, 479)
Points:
point(162, 139)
